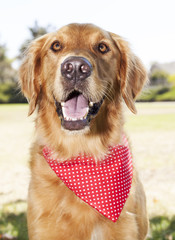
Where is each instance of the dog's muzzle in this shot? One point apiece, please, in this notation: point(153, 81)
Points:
point(76, 109)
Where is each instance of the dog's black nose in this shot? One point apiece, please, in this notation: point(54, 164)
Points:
point(76, 68)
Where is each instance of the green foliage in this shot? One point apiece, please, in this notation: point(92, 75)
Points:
point(162, 87)
point(13, 220)
point(158, 77)
point(7, 73)
point(2, 53)
point(37, 31)
point(171, 80)
point(10, 93)
point(162, 228)
point(167, 96)
point(158, 93)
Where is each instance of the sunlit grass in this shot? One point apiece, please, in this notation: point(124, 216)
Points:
point(158, 122)
point(152, 117)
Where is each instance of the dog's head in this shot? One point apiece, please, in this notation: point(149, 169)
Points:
point(79, 70)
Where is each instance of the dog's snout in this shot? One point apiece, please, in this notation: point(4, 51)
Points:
point(76, 68)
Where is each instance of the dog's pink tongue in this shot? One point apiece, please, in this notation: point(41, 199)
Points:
point(76, 107)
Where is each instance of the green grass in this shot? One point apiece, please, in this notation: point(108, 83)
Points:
point(10, 93)
point(152, 117)
point(152, 123)
point(13, 107)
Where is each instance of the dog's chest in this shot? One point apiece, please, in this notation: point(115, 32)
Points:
point(97, 233)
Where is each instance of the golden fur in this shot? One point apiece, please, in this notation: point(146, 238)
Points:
point(117, 75)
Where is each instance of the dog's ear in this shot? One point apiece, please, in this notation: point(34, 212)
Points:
point(29, 73)
point(132, 72)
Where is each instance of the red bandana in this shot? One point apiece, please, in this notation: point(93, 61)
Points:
point(104, 185)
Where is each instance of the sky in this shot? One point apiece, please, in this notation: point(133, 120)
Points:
point(148, 25)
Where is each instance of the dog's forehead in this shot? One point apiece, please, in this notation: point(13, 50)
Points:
point(82, 33)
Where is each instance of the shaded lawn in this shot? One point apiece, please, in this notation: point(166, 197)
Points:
point(13, 223)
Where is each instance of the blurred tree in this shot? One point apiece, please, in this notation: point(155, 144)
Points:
point(171, 80)
point(7, 73)
point(35, 32)
point(8, 76)
point(159, 77)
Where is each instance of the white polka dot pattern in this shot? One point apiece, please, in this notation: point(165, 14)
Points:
point(104, 185)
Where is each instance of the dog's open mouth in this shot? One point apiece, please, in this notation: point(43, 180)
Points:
point(77, 111)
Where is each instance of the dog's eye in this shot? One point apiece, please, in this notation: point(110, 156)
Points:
point(56, 46)
point(103, 48)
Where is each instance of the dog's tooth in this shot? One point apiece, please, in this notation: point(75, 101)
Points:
point(62, 104)
point(63, 111)
point(91, 104)
point(74, 119)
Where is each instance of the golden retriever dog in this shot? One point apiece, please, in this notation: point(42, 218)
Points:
point(77, 80)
